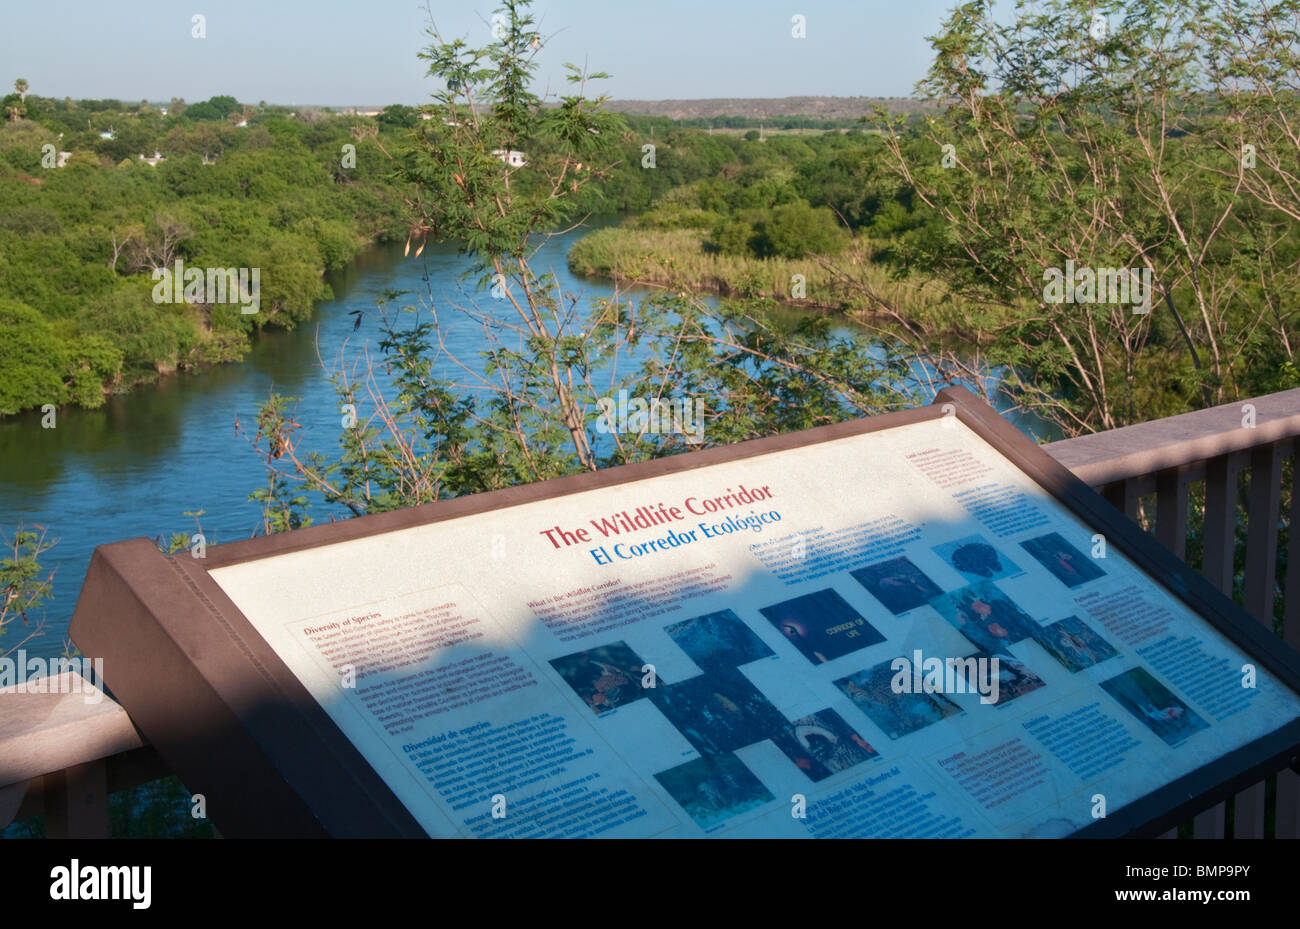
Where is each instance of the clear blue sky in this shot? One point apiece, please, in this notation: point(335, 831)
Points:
point(346, 52)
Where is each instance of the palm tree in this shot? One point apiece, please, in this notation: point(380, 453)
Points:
point(21, 86)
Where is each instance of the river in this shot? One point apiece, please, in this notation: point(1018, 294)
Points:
point(136, 465)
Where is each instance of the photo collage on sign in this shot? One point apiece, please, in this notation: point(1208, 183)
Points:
point(720, 710)
point(991, 621)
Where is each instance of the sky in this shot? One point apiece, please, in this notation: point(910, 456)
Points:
point(364, 52)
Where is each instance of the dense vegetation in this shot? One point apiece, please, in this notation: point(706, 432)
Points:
point(79, 243)
point(1159, 142)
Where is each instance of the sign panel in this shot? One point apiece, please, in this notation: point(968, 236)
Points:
point(889, 630)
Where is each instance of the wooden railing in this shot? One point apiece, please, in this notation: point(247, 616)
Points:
point(1209, 483)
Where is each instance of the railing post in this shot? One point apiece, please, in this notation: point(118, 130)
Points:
point(1123, 496)
point(1288, 782)
point(1171, 509)
point(1217, 566)
point(1261, 576)
point(1171, 525)
point(76, 802)
point(11, 801)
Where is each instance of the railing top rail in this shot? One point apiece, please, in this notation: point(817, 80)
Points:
point(69, 724)
point(1146, 448)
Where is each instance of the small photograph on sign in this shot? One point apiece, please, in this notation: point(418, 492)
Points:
point(605, 678)
point(1069, 565)
point(824, 744)
point(896, 714)
point(976, 560)
point(1157, 708)
point(719, 711)
point(712, 790)
point(986, 616)
point(1071, 642)
point(898, 584)
point(718, 640)
point(822, 625)
point(1014, 679)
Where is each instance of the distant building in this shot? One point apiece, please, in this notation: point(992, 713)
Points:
point(107, 135)
point(513, 158)
point(153, 162)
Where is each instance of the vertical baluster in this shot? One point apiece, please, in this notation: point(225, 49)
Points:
point(1171, 510)
point(1220, 542)
point(1288, 782)
point(1171, 526)
point(1261, 575)
point(1123, 496)
point(76, 802)
point(11, 800)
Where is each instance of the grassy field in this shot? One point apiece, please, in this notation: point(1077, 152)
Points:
point(677, 259)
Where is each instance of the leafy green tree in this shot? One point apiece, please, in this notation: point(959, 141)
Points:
point(94, 364)
point(213, 109)
point(14, 108)
point(31, 357)
point(1064, 146)
point(22, 587)
point(734, 237)
point(795, 230)
point(150, 337)
point(396, 114)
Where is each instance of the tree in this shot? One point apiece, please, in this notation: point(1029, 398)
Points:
point(157, 246)
point(797, 229)
point(1253, 68)
point(1064, 147)
point(22, 587)
point(530, 410)
point(396, 114)
point(20, 86)
point(214, 109)
point(31, 357)
point(14, 107)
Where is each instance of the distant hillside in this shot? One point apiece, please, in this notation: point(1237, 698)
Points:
point(770, 108)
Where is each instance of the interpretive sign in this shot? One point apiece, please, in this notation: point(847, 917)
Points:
point(912, 625)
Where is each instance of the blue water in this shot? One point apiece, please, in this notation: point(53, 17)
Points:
point(135, 466)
